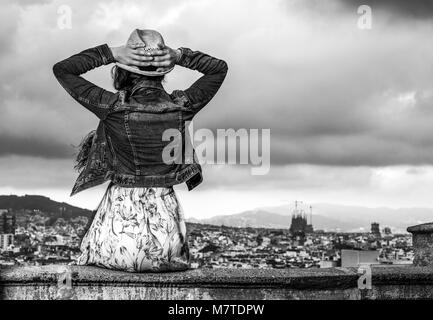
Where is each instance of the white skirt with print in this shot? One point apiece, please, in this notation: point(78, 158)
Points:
point(137, 230)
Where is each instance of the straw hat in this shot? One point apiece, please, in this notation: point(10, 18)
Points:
point(150, 40)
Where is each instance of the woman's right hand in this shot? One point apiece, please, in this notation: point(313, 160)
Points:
point(131, 56)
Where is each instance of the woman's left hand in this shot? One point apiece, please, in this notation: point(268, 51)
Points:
point(165, 58)
point(131, 56)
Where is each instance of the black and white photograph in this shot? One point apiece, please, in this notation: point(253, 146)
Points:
point(190, 152)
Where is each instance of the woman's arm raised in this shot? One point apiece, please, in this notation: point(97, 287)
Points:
point(98, 100)
point(204, 89)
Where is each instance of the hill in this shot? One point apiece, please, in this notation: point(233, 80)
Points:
point(44, 204)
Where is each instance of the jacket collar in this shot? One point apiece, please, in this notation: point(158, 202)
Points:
point(147, 83)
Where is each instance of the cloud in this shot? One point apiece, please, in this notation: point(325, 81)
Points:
point(11, 145)
point(25, 172)
point(233, 189)
point(330, 93)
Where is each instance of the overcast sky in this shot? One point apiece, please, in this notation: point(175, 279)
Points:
point(350, 110)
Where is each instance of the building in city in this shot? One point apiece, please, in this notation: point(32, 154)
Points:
point(375, 229)
point(6, 239)
point(7, 229)
point(354, 258)
point(299, 225)
point(7, 222)
point(387, 231)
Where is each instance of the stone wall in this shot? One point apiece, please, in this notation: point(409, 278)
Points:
point(78, 282)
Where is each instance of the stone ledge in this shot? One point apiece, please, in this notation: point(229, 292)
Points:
point(85, 275)
point(421, 228)
point(389, 282)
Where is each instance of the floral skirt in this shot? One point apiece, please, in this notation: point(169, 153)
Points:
point(137, 230)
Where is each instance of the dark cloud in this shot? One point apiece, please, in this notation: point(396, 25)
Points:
point(411, 9)
point(351, 151)
point(34, 146)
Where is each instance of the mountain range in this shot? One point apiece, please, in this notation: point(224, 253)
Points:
point(328, 217)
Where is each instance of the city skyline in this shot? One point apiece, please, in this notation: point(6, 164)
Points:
point(32, 237)
point(327, 217)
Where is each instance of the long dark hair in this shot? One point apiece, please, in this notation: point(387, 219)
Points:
point(125, 80)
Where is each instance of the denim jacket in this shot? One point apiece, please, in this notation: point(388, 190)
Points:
point(128, 144)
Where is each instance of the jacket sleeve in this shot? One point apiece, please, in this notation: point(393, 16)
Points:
point(92, 97)
point(204, 89)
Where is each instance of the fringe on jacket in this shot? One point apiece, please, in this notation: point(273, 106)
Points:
point(84, 151)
